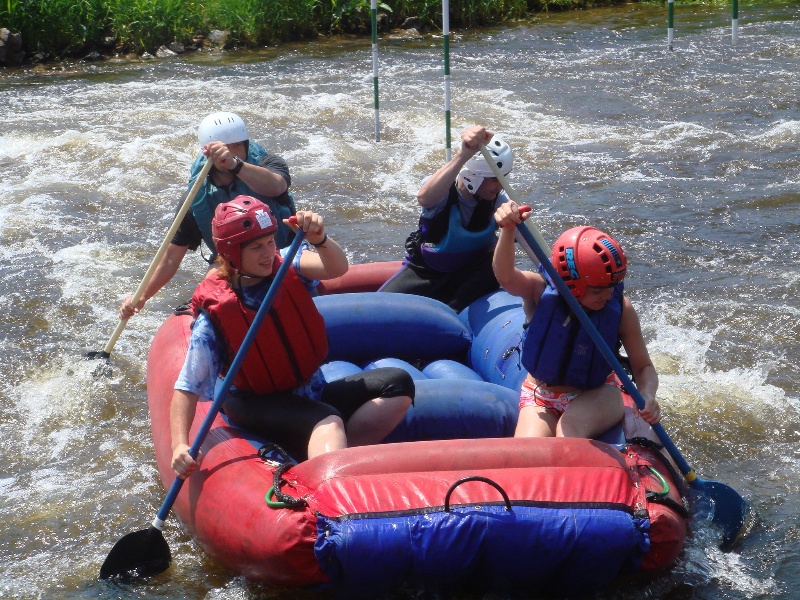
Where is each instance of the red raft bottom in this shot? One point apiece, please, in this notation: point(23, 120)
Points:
point(424, 511)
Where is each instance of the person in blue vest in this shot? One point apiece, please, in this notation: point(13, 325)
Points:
point(279, 393)
point(241, 167)
point(449, 257)
point(570, 389)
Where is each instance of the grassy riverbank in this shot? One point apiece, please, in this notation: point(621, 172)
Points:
point(64, 28)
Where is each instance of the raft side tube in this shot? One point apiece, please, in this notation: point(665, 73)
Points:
point(365, 277)
point(456, 455)
point(364, 327)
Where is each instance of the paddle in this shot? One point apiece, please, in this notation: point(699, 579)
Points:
point(146, 552)
point(176, 222)
point(730, 510)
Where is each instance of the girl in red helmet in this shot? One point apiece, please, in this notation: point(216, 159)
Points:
point(570, 389)
point(279, 392)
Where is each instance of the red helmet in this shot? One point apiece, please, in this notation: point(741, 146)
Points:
point(239, 221)
point(585, 256)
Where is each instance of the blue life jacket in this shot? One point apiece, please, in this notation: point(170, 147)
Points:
point(209, 196)
point(557, 350)
point(446, 245)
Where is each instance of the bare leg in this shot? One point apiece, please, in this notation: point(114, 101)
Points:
point(535, 421)
point(591, 413)
point(376, 419)
point(327, 435)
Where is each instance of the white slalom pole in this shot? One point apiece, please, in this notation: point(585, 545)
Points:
point(374, 13)
point(735, 22)
point(446, 36)
point(670, 27)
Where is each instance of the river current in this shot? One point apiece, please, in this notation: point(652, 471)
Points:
point(689, 157)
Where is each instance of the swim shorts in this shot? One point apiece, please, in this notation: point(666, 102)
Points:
point(539, 395)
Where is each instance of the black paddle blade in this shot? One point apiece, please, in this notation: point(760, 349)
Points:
point(104, 368)
point(138, 554)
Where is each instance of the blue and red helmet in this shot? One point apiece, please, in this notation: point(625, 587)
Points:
point(587, 257)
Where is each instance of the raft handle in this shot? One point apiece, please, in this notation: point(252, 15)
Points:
point(475, 478)
point(274, 503)
point(664, 485)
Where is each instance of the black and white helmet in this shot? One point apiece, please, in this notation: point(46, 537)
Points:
point(476, 169)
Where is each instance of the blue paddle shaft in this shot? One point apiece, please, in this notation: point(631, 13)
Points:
point(222, 392)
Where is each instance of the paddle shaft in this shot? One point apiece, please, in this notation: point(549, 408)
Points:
point(176, 222)
point(222, 391)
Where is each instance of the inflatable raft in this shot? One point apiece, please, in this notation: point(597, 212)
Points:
point(451, 500)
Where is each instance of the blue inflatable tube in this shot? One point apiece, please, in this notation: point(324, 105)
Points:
point(496, 322)
point(449, 369)
point(449, 409)
point(367, 326)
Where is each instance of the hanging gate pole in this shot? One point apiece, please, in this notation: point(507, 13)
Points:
point(446, 36)
point(670, 27)
point(735, 22)
point(374, 14)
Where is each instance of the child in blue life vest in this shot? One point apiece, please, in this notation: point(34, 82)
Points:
point(570, 389)
point(279, 393)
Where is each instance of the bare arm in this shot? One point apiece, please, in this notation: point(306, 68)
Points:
point(435, 188)
point(524, 284)
point(329, 261)
point(630, 332)
point(258, 178)
point(181, 415)
point(164, 272)
point(263, 181)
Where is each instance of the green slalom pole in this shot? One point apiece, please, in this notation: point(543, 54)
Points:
point(446, 36)
point(735, 22)
point(374, 13)
point(670, 25)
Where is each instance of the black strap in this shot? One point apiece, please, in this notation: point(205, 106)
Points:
point(289, 501)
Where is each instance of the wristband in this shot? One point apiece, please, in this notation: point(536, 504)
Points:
point(322, 243)
point(239, 164)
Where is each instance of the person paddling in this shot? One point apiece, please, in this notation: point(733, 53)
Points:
point(279, 393)
point(241, 166)
point(570, 389)
point(449, 257)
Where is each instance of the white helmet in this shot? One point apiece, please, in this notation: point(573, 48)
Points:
point(224, 127)
point(476, 169)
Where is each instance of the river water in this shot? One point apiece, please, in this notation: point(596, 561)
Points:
point(690, 158)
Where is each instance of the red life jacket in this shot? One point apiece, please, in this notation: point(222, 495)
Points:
point(291, 343)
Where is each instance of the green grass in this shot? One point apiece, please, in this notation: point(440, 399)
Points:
point(140, 25)
point(46, 25)
point(62, 28)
